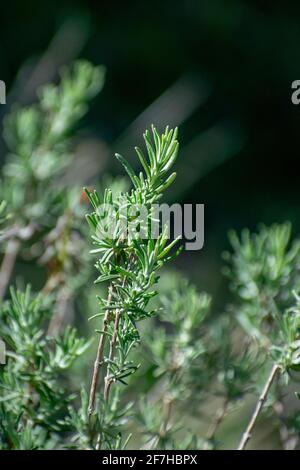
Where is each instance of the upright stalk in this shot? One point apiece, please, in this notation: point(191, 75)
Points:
point(112, 345)
point(99, 358)
point(108, 380)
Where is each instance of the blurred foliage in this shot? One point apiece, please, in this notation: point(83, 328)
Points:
point(32, 401)
point(245, 82)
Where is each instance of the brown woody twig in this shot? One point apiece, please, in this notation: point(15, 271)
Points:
point(261, 401)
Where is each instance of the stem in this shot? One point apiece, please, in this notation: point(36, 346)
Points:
point(22, 233)
point(61, 309)
point(8, 264)
point(108, 380)
point(99, 358)
point(247, 434)
point(112, 346)
point(219, 416)
point(14, 236)
point(167, 410)
point(166, 415)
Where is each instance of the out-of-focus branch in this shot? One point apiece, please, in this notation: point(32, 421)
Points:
point(22, 233)
point(8, 264)
point(13, 237)
point(218, 419)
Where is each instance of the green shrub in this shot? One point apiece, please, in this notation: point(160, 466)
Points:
point(176, 378)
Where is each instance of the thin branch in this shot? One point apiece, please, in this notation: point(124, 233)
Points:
point(99, 358)
point(167, 405)
point(8, 263)
point(108, 380)
point(261, 401)
point(112, 345)
point(61, 309)
point(22, 233)
point(13, 236)
point(218, 419)
point(167, 411)
point(100, 351)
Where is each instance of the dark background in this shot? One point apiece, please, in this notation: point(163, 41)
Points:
point(221, 70)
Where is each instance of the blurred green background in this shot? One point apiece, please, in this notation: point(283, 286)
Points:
point(220, 70)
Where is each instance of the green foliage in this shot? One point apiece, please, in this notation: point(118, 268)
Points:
point(286, 344)
point(43, 223)
point(38, 140)
point(130, 263)
point(33, 400)
point(175, 350)
point(264, 271)
point(264, 274)
point(172, 379)
point(4, 216)
point(176, 346)
point(45, 215)
point(105, 427)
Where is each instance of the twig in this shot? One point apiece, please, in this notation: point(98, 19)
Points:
point(108, 380)
point(13, 236)
point(247, 434)
point(8, 264)
point(99, 358)
point(168, 401)
point(22, 233)
point(112, 345)
point(167, 410)
point(61, 309)
point(219, 416)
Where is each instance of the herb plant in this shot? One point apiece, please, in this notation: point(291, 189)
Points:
point(173, 381)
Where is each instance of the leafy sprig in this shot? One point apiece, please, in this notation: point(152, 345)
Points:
point(129, 264)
